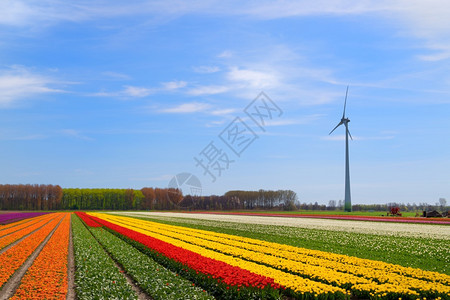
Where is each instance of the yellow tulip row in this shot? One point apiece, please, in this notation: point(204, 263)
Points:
point(296, 283)
point(383, 290)
point(333, 269)
point(363, 267)
point(329, 271)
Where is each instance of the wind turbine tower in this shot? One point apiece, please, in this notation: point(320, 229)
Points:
point(344, 120)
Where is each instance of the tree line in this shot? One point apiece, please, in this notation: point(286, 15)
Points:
point(53, 197)
point(264, 199)
point(30, 197)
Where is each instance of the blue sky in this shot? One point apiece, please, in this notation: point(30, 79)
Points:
point(113, 94)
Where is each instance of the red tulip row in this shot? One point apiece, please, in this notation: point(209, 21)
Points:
point(224, 272)
point(87, 219)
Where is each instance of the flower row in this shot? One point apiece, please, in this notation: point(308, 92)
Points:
point(333, 269)
point(373, 270)
point(230, 275)
point(7, 229)
point(96, 275)
point(296, 284)
point(47, 277)
point(14, 257)
point(14, 217)
point(13, 227)
point(14, 236)
point(87, 219)
point(154, 279)
point(420, 251)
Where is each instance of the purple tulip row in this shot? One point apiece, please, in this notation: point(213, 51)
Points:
point(14, 217)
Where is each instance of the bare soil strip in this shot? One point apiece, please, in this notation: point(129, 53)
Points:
point(19, 240)
point(13, 283)
point(71, 268)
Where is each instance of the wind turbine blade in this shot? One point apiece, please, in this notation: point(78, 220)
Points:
point(340, 123)
point(349, 134)
point(345, 103)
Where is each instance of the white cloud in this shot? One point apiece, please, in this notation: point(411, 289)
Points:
point(127, 92)
point(225, 54)
point(75, 134)
point(426, 20)
point(186, 108)
point(135, 91)
point(222, 112)
point(208, 90)
point(299, 121)
point(116, 75)
point(174, 85)
point(18, 83)
point(252, 78)
point(435, 56)
point(357, 138)
point(14, 12)
point(206, 69)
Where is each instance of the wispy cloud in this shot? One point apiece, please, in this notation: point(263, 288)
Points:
point(223, 112)
point(18, 83)
point(127, 92)
point(174, 85)
point(130, 91)
point(357, 138)
point(199, 107)
point(225, 54)
point(206, 69)
point(301, 120)
point(252, 78)
point(208, 90)
point(423, 19)
point(75, 134)
point(428, 21)
point(116, 75)
point(135, 91)
point(187, 108)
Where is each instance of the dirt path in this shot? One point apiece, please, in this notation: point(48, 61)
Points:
point(13, 283)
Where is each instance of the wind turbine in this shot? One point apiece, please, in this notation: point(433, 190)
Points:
point(344, 120)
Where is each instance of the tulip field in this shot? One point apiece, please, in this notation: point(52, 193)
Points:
point(150, 255)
